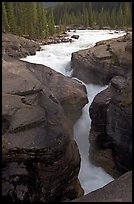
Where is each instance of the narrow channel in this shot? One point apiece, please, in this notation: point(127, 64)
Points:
point(58, 57)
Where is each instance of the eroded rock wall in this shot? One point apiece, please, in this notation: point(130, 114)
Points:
point(40, 159)
point(111, 127)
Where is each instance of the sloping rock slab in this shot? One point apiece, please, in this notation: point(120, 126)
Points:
point(105, 60)
point(119, 190)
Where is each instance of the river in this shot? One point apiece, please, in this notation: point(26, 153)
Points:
point(58, 57)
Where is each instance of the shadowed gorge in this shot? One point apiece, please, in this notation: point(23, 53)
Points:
point(66, 102)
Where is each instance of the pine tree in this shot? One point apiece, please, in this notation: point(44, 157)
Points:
point(42, 24)
point(10, 15)
point(5, 25)
point(51, 24)
point(113, 18)
point(19, 14)
point(102, 13)
point(120, 17)
point(86, 17)
point(126, 10)
point(90, 15)
point(30, 18)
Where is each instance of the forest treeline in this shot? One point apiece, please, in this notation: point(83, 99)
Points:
point(33, 20)
point(27, 19)
point(88, 14)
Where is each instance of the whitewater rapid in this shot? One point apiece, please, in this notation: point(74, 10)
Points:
point(58, 57)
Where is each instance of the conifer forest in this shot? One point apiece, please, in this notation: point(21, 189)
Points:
point(34, 20)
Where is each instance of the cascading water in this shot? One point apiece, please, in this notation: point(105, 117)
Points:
point(58, 57)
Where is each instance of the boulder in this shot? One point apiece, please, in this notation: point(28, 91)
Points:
point(40, 159)
point(102, 62)
point(75, 36)
point(69, 92)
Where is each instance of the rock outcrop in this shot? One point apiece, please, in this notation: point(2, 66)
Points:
point(40, 159)
point(119, 190)
point(17, 47)
point(105, 60)
point(69, 92)
point(111, 110)
point(111, 127)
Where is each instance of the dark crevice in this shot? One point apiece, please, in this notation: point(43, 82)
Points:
point(25, 93)
point(5, 126)
point(28, 126)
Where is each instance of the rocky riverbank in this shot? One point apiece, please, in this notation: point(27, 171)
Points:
point(107, 59)
point(17, 47)
point(40, 159)
point(109, 62)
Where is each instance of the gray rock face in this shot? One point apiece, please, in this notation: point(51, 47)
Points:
point(119, 190)
point(40, 158)
point(111, 127)
point(104, 61)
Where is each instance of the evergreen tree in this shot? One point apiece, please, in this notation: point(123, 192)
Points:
point(51, 24)
point(5, 25)
point(19, 14)
point(31, 19)
point(42, 24)
point(11, 18)
point(113, 18)
point(86, 18)
point(91, 18)
point(126, 10)
point(120, 17)
point(113, 14)
point(30, 15)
